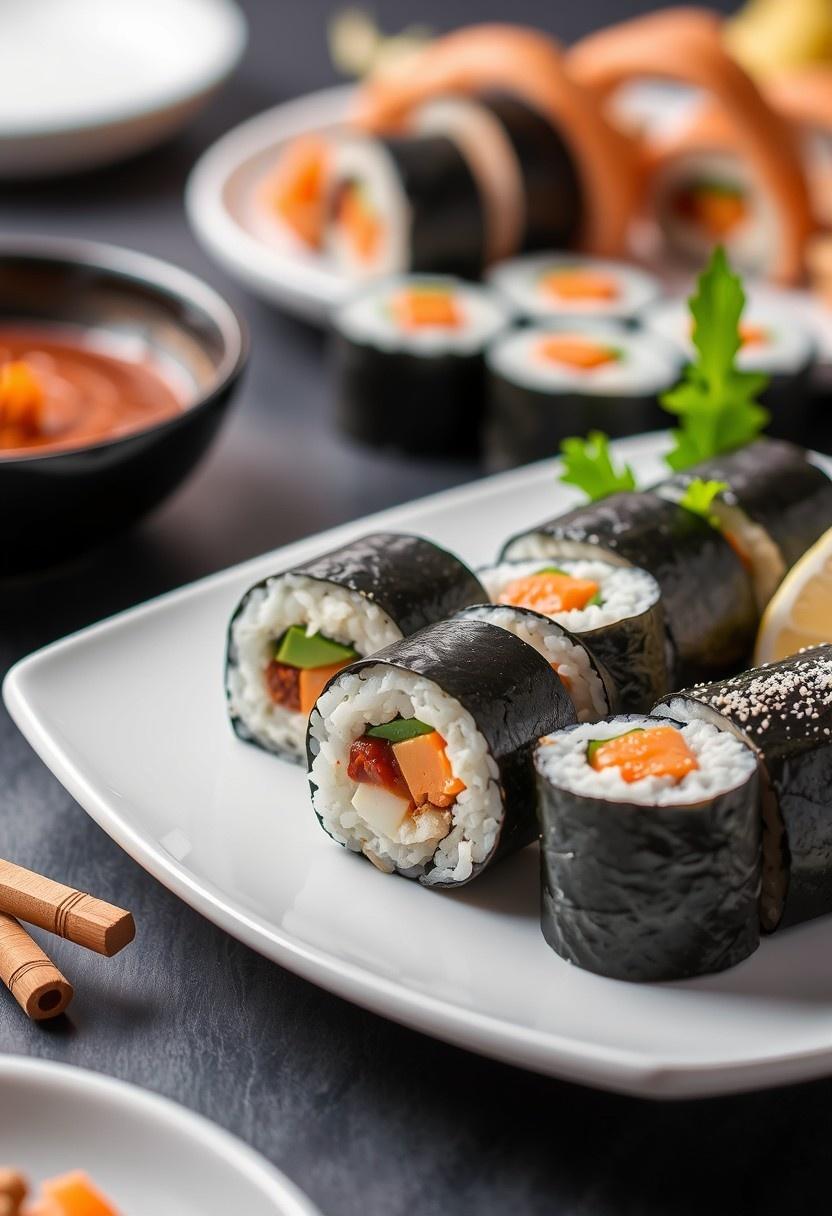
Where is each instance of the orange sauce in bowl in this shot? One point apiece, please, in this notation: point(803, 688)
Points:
point(59, 391)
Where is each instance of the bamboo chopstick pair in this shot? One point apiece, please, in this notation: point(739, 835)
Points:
point(30, 975)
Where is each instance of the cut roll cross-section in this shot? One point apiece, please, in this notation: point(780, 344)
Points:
point(800, 614)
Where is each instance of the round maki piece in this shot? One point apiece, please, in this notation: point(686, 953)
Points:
point(775, 505)
point(545, 384)
point(421, 757)
point(707, 594)
point(616, 611)
point(784, 711)
point(590, 686)
point(650, 847)
point(293, 631)
point(560, 286)
point(774, 342)
point(399, 204)
point(409, 367)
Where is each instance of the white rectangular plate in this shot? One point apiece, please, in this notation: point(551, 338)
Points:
point(130, 716)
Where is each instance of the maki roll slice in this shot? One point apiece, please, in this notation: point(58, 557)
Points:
point(403, 203)
point(590, 686)
point(707, 594)
point(293, 631)
point(421, 756)
point(409, 365)
point(650, 847)
point(784, 711)
point(615, 611)
point(776, 504)
point(568, 287)
point(545, 384)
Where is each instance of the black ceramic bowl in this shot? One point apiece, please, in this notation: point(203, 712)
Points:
point(57, 504)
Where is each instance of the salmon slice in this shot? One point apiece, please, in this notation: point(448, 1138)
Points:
point(427, 306)
point(661, 752)
point(549, 592)
point(361, 225)
point(579, 284)
point(297, 188)
point(578, 353)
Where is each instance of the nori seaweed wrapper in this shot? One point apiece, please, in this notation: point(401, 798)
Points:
point(776, 486)
point(708, 597)
point(512, 694)
point(634, 651)
point(551, 185)
point(784, 710)
point(789, 399)
point(413, 580)
point(639, 892)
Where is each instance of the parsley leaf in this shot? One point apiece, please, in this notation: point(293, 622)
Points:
point(699, 496)
point(715, 403)
point(587, 464)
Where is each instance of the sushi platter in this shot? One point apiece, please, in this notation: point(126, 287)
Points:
point(229, 827)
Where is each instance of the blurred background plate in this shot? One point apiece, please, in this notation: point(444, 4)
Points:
point(91, 81)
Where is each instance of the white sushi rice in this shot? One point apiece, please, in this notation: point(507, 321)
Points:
point(519, 281)
point(626, 591)
point(724, 764)
point(369, 318)
point(379, 694)
point(293, 599)
point(365, 160)
point(571, 660)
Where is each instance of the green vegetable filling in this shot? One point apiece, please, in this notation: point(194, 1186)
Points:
point(297, 648)
point(400, 730)
point(594, 744)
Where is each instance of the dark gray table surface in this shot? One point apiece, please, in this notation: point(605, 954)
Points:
point(366, 1116)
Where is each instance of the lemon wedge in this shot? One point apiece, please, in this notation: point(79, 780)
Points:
point(800, 612)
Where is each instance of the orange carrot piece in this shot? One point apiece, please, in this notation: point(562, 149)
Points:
point(427, 770)
point(434, 306)
point(659, 752)
point(579, 284)
point(576, 352)
point(74, 1195)
point(549, 592)
point(311, 684)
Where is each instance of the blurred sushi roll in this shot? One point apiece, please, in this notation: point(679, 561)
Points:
point(707, 594)
point(614, 610)
point(292, 632)
point(776, 504)
point(409, 364)
point(545, 384)
point(421, 757)
point(403, 203)
point(561, 286)
point(650, 847)
point(773, 342)
point(590, 686)
point(784, 711)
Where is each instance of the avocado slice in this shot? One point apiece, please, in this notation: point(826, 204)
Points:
point(400, 730)
point(594, 744)
point(298, 649)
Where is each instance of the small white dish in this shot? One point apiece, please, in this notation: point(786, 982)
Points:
point(130, 716)
point(92, 81)
point(55, 1119)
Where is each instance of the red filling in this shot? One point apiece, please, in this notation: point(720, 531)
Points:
point(374, 761)
point(283, 683)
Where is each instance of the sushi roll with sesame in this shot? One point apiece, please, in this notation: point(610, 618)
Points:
point(707, 594)
point(545, 384)
point(421, 756)
point(408, 356)
point(784, 711)
point(590, 686)
point(650, 847)
point(615, 611)
point(293, 631)
point(569, 287)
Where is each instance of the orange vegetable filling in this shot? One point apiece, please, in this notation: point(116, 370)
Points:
point(575, 352)
point(22, 403)
point(311, 682)
point(361, 225)
point(714, 209)
point(296, 191)
point(549, 592)
point(590, 285)
point(427, 306)
point(661, 752)
point(427, 770)
point(74, 1195)
point(753, 335)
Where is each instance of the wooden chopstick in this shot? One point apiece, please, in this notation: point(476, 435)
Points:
point(30, 975)
point(62, 910)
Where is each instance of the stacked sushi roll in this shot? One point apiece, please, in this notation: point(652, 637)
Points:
point(552, 286)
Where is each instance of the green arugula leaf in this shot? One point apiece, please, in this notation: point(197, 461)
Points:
point(715, 403)
point(699, 496)
point(587, 464)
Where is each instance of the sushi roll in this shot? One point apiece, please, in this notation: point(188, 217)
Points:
point(409, 367)
point(776, 505)
point(568, 287)
point(650, 847)
point(590, 686)
point(545, 384)
point(614, 610)
point(292, 632)
point(707, 594)
point(774, 343)
point(784, 711)
point(421, 757)
point(525, 170)
point(403, 203)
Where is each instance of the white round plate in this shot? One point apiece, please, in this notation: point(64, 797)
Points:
point(55, 1119)
point(92, 81)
